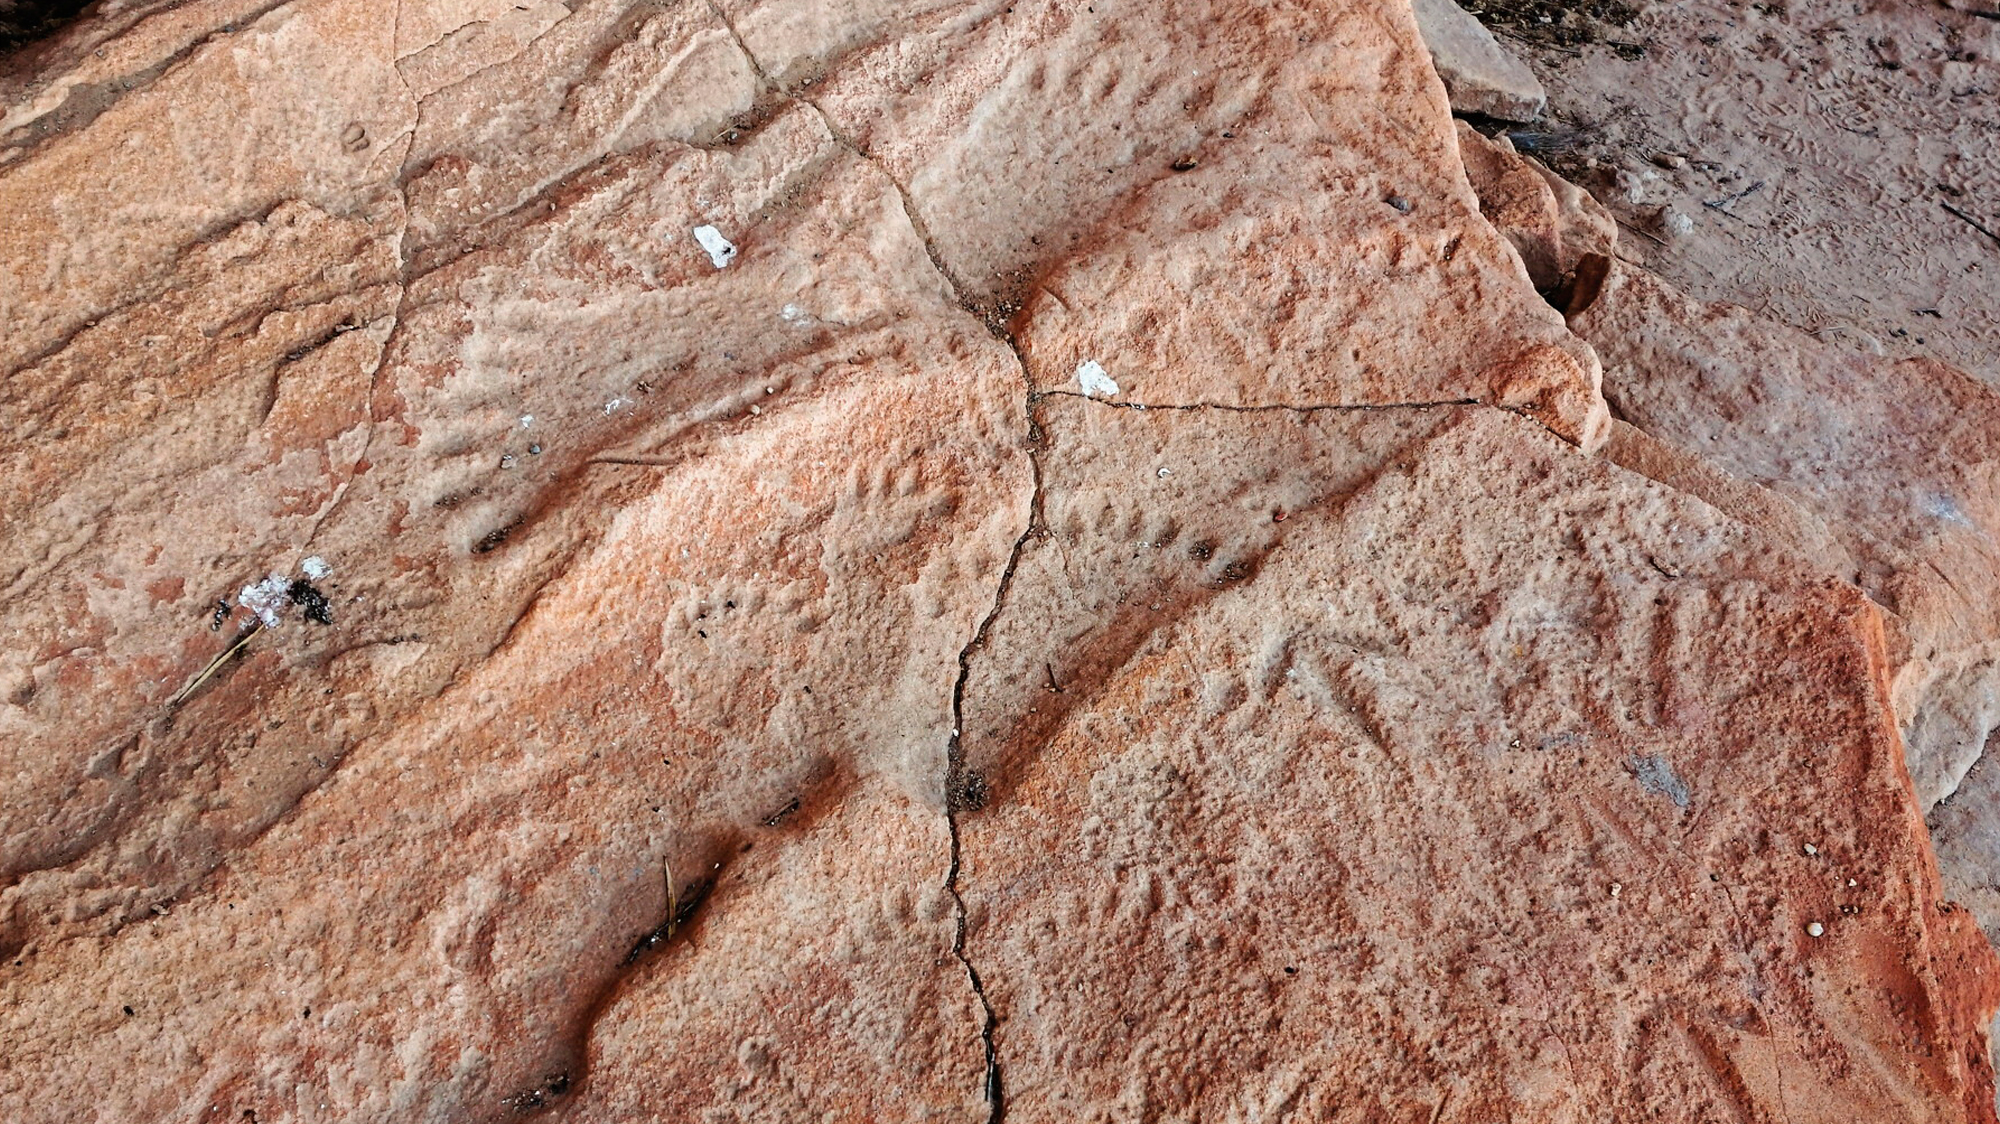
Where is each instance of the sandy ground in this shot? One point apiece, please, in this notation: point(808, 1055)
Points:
point(1833, 161)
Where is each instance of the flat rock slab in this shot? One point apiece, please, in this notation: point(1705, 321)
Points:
point(1887, 471)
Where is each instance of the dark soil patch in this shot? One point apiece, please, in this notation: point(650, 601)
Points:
point(24, 21)
point(1561, 23)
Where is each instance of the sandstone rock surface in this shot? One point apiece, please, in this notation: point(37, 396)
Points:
point(1551, 223)
point(759, 561)
point(1891, 464)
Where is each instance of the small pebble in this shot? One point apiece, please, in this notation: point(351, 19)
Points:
point(1670, 160)
point(1166, 472)
point(1811, 850)
point(1634, 185)
point(1815, 930)
point(1398, 202)
point(721, 251)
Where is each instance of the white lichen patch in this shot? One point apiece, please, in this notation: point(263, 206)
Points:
point(1093, 381)
point(316, 567)
point(793, 314)
point(615, 405)
point(721, 250)
point(267, 598)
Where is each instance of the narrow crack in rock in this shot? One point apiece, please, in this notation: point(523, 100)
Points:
point(1529, 413)
point(1260, 408)
point(841, 138)
point(963, 790)
point(958, 785)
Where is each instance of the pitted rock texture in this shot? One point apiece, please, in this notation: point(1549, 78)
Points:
point(562, 558)
point(1889, 468)
point(1343, 819)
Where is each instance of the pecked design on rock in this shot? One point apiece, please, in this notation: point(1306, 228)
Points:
point(1358, 814)
point(1884, 470)
point(756, 683)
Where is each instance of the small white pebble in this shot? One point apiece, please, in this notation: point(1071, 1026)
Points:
point(756, 409)
point(1617, 888)
point(527, 420)
point(1811, 850)
point(316, 567)
point(1852, 883)
point(1093, 381)
point(721, 250)
point(1166, 472)
point(1815, 929)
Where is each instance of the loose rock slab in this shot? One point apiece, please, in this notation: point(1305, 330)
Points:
point(1483, 76)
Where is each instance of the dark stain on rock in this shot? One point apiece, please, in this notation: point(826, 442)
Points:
point(307, 596)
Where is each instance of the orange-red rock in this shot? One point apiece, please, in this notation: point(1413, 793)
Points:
point(581, 558)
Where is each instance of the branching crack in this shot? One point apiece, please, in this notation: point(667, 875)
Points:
point(952, 283)
point(964, 790)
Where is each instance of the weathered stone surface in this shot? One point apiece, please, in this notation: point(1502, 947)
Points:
point(1483, 76)
point(477, 646)
point(1889, 467)
point(1341, 814)
point(1882, 472)
point(1551, 223)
